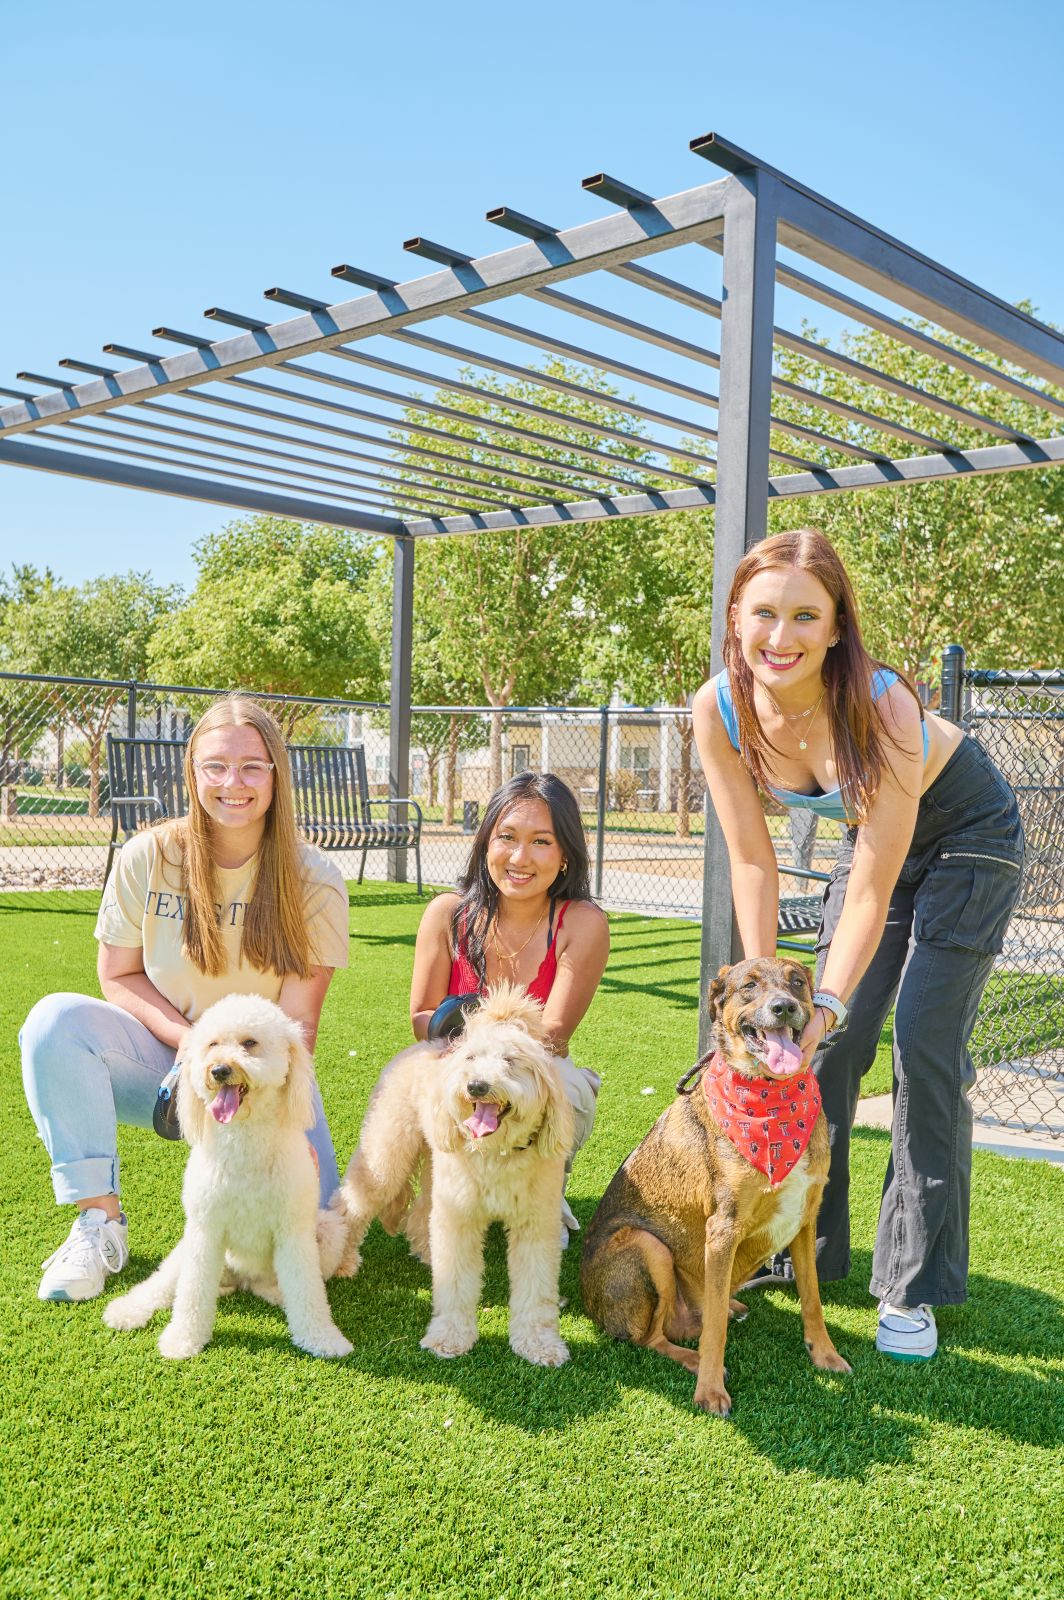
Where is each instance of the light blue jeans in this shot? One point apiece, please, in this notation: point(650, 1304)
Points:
point(87, 1066)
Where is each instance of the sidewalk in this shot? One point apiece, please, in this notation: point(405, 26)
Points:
point(875, 1112)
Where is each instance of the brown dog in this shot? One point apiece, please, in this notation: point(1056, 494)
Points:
point(689, 1217)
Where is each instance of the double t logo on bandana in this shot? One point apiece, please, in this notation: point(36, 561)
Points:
point(768, 1120)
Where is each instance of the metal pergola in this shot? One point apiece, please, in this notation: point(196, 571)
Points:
point(323, 443)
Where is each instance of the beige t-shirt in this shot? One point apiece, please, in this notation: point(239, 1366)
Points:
point(143, 908)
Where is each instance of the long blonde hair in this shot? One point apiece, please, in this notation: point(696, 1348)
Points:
point(858, 737)
point(274, 936)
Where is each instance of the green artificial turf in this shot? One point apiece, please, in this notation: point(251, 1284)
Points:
point(255, 1470)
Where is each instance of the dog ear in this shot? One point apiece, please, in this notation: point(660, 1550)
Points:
point(446, 1134)
point(558, 1129)
point(716, 994)
point(191, 1112)
point(299, 1085)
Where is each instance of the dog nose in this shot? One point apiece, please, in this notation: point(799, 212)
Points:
point(782, 1007)
point(221, 1073)
point(476, 1088)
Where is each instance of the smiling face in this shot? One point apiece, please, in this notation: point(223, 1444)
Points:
point(243, 1060)
point(524, 856)
point(785, 620)
point(234, 803)
point(760, 1009)
point(499, 1090)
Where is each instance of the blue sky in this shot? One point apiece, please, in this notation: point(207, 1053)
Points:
point(163, 158)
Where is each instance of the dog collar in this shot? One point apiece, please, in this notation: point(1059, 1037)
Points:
point(768, 1120)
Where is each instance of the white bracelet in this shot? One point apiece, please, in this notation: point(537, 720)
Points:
point(831, 1002)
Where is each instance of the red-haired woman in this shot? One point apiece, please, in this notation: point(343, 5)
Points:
point(914, 915)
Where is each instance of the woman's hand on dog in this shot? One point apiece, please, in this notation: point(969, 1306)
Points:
point(815, 1033)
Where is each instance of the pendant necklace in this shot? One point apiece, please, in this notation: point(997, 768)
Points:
point(810, 712)
point(511, 957)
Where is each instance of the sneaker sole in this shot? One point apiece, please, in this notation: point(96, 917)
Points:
point(907, 1355)
point(60, 1296)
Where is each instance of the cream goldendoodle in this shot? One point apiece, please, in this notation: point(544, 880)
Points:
point(493, 1113)
point(250, 1193)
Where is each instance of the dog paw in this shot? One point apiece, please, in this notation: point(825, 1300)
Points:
point(737, 1312)
point(828, 1359)
point(714, 1398)
point(124, 1314)
point(329, 1343)
point(543, 1348)
point(449, 1336)
point(349, 1263)
point(176, 1345)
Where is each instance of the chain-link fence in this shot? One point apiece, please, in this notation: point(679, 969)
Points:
point(635, 774)
point(641, 794)
point(1018, 1043)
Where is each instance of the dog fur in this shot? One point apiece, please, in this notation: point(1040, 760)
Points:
point(250, 1194)
point(687, 1219)
point(417, 1119)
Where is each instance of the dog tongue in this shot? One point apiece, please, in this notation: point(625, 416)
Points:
point(782, 1054)
point(485, 1119)
point(226, 1104)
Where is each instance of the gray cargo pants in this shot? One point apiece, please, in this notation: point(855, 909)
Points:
point(947, 919)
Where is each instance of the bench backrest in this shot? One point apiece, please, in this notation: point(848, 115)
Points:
point(141, 767)
point(330, 783)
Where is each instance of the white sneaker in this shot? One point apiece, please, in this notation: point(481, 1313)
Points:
point(906, 1333)
point(94, 1248)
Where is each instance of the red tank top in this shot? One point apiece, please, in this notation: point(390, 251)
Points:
point(464, 979)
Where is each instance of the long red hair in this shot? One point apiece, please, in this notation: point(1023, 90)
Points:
point(856, 730)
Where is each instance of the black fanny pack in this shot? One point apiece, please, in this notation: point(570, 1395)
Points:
point(164, 1112)
point(448, 1019)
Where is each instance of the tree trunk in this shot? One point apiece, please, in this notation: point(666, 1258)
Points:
point(450, 772)
point(495, 752)
point(94, 774)
point(683, 787)
point(432, 762)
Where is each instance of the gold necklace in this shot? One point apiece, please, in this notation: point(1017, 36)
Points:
point(511, 956)
point(796, 716)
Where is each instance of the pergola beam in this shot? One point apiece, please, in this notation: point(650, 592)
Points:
point(904, 470)
point(17, 453)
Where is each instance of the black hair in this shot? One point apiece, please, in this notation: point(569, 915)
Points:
point(479, 896)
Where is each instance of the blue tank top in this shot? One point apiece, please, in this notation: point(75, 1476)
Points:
point(829, 803)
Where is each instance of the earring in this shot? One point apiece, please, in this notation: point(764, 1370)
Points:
point(833, 642)
point(565, 866)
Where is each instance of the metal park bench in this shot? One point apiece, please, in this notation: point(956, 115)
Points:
point(146, 782)
point(334, 809)
point(800, 913)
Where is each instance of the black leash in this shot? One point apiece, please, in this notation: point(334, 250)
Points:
point(685, 1085)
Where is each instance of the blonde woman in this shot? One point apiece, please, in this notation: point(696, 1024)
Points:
point(226, 900)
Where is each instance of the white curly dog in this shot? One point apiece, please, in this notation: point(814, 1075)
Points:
point(494, 1114)
point(250, 1193)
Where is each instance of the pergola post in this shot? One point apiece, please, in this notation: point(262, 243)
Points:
point(742, 487)
point(399, 700)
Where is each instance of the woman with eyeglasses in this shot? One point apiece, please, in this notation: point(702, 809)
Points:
point(227, 899)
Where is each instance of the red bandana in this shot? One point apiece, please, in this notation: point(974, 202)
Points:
point(768, 1120)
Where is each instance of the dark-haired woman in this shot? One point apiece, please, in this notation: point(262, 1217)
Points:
point(523, 913)
point(916, 909)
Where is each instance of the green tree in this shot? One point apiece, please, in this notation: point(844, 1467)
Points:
point(279, 607)
point(513, 613)
point(976, 560)
point(100, 629)
point(657, 646)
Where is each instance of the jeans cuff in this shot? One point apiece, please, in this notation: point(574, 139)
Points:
point(84, 1180)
